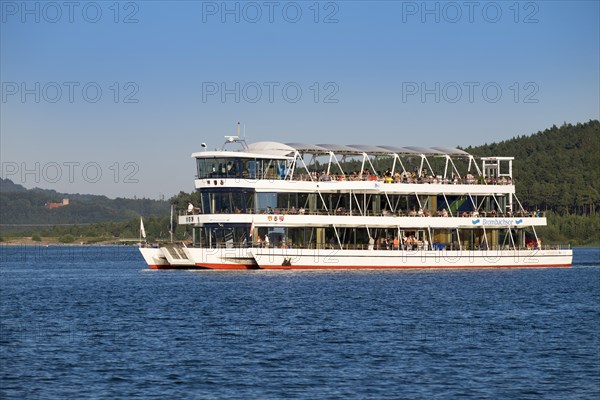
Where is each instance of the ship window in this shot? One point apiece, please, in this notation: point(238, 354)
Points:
point(223, 202)
point(219, 167)
point(247, 168)
point(266, 202)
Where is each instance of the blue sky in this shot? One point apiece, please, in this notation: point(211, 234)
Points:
point(175, 74)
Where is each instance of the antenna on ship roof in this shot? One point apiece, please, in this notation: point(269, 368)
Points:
point(236, 138)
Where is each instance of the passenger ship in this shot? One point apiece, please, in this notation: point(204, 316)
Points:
point(270, 205)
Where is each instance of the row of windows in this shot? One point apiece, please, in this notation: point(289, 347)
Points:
point(241, 168)
point(250, 202)
point(216, 236)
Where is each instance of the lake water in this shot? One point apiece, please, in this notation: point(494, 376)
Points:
point(94, 322)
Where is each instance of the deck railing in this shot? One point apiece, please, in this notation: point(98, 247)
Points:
point(465, 180)
point(435, 247)
point(383, 213)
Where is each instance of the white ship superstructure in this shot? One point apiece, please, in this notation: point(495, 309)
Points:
point(272, 205)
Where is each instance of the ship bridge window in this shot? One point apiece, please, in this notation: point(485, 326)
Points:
point(219, 167)
point(248, 168)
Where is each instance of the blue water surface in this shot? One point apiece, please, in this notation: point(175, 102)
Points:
point(94, 322)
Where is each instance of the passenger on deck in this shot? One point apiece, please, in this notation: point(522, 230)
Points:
point(371, 243)
point(405, 177)
point(444, 213)
point(381, 244)
point(470, 178)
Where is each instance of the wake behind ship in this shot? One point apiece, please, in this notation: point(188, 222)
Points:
point(269, 205)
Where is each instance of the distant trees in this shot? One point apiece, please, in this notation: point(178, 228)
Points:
point(579, 230)
point(66, 239)
point(27, 207)
point(557, 169)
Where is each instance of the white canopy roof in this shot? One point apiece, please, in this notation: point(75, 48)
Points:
point(271, 148)
point(282, 150)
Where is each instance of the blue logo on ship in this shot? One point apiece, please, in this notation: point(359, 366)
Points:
point(475, 221)
point(518, 221)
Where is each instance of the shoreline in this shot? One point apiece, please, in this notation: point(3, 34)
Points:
point(56, 242)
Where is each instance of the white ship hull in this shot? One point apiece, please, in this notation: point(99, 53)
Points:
point(196, 258)
point(154, 258)
point(271, 258)
point(393, 259)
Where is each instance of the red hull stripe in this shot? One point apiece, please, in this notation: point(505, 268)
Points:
point(413, 266)
point(205, 266)
point(169, 266)
point(353, 267)
point(227, 266)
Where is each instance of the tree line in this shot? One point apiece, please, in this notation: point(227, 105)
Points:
point(557, 169)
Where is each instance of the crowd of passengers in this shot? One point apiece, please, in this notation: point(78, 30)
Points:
point(385, 212)
point(440, 213)
point(410, 242)
point(407, 242)
point(404, 177)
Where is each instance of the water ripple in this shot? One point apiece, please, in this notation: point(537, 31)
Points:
point(72, 326)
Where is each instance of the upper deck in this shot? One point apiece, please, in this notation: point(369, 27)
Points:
point(273, 166)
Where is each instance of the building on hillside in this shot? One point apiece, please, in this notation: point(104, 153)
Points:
point(49, 206)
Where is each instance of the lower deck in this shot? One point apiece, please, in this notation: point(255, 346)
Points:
point(215, 236)
point(277, 258)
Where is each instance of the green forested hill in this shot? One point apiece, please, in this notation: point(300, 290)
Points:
point(20, 206)
point(557, 169)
